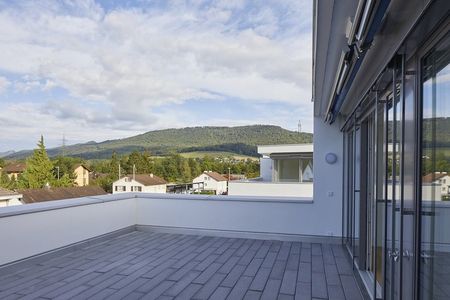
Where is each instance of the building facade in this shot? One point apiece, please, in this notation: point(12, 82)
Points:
point(81, 175)
point(9, 198)
point(381, 88)
point(145, 183)
point(210, 181)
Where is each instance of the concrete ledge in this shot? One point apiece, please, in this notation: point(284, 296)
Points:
point(60, 204)
point(224, 198)
point(35, 259)
point(240, 234)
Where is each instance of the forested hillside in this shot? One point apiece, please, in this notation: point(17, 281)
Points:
point(238, 140)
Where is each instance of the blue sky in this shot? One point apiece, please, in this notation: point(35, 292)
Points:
point(96, 70)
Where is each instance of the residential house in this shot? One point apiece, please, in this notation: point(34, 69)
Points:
point(81, 175)
point(146, 183)
point(59, 193)
point(211, 182)
point(13, 170)
point(439, 185)
point(9, 198)
point(285, 170)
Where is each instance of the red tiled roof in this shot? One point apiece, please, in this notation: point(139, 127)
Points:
point(60, 193)
point(431, 177)
point(147, 179)
point(17, 167)
point(216, 176)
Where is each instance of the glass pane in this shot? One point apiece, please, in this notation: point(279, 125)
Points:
point(288, 170)
point(357, 192)
point(380, 195)
point(435, 242)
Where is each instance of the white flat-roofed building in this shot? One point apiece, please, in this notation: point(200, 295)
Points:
point(285, 170)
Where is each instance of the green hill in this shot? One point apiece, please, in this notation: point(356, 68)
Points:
point(238, 140)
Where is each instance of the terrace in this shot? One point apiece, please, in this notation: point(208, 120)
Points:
point(152, 246)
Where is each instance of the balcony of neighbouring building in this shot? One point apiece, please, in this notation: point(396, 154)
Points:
point(285, 170)
point(162, 246)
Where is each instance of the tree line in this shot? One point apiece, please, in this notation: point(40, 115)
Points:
point(173, 168)
point(58, 172)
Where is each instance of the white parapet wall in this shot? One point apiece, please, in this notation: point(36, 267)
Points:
point(273, 215)
point(277, 189)
point(33, 229)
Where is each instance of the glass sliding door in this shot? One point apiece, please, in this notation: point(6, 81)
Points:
point(435, 171)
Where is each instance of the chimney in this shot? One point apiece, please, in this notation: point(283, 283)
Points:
point(151, 175)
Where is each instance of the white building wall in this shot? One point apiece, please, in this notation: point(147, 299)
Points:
point(210, 184)
point(33, 233)
point(234, 213)
point(265, 168)
point(275, 189)
point(328, 178)
point(161, 188)
point(10, 200)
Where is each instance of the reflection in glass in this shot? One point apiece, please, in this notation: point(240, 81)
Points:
point(435, 204)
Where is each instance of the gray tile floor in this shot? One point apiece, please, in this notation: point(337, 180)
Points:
point(174, 266)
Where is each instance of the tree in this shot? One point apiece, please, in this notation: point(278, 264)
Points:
point(39, 170)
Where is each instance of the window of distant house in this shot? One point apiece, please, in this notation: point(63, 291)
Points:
point(206, 178)
point(138, 188)
point(117, 188)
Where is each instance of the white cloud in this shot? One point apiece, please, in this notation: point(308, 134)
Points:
point(134, 60)
point(4, 84)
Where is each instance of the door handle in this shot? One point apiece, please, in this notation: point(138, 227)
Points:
point(425, 256)
point(407, 254)
point(395, 255)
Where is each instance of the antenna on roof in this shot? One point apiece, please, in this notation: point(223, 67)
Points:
point(299, 126)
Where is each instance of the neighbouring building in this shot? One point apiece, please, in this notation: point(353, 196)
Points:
point(81, 175)
point(438, 181)
point(285, 170)
point(59, 193)
point(9, 198)
point(381, 94)
point(13, 170)
point(146, 183)
point(210, 181)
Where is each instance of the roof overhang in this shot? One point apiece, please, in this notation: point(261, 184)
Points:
point(284, 150)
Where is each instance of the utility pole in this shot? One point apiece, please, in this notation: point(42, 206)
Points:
point(63, 147)
point(299, 126)
point(57, 168)
point(119, 172)
point(134, 172)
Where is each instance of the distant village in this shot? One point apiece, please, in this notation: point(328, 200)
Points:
point(280, 170)
point(40, 178)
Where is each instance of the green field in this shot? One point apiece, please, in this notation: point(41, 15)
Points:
point(200, 154)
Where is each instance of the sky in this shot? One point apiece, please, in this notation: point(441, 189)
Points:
point(95, 70)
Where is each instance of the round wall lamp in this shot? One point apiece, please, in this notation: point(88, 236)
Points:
point(331, 158)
